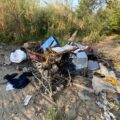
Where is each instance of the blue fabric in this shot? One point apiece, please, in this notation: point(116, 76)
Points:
point(50, 42)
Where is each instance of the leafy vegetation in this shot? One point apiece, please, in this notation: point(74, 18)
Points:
point(24, 20)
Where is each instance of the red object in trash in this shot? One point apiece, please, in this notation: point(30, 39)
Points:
point(34, 57)
point(90, 50)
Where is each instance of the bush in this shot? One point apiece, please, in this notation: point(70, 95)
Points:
point(24, 20)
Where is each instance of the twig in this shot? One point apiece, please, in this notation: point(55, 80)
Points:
point(70, 79)
point(48, 85)
point(41, 82)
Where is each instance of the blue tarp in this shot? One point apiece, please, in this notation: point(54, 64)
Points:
point(50, 42)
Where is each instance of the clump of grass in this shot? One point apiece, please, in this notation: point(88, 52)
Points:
point(57, 114)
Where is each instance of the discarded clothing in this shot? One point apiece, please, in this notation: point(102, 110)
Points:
point(18, 56)
point(19, 82)
point(50, 42)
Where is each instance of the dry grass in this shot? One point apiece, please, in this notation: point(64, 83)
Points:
point(25, 20)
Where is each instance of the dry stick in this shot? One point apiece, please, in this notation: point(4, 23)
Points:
point(49, 85)
point(50, 91)
point(70, 79)
point(46, 79)
point(41, 82)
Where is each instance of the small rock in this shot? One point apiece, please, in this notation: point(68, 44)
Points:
point(7, 60)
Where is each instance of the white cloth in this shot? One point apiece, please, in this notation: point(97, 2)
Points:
point(9, 87)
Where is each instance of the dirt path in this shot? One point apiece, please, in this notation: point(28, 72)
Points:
point(110, 47)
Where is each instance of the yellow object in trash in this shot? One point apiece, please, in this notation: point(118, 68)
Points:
point(111, 80)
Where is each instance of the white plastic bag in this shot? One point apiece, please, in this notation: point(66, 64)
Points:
point(18, 56)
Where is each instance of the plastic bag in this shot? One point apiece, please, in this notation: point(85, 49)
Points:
point(18, 56)
point(100, 85)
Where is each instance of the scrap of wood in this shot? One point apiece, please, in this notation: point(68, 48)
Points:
point(63, 50)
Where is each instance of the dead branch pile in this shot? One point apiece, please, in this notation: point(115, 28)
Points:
point(51, 70)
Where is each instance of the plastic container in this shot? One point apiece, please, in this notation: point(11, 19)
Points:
point(50, 42)
point(79, 59)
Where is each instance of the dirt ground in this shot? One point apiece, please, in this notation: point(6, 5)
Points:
point(75, 103)
point(110, 47)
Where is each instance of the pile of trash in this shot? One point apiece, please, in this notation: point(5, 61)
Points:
point(55, 66)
